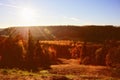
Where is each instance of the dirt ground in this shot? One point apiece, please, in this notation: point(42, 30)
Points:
point(78, 72)
point(69, 69)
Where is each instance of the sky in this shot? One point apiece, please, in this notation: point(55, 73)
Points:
point(59, 12)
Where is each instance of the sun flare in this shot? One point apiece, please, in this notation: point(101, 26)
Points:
point(27, 13)
point(27, 16)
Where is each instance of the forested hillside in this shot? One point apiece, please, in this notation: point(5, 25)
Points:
point(82, 33)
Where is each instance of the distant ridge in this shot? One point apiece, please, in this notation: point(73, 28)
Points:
point(94, 33)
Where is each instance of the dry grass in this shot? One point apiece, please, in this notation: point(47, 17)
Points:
point(66, 71)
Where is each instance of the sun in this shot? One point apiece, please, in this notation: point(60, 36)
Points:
point(27, 13)
point(27, 16)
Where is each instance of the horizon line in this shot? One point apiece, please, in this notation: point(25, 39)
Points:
point(61, 25)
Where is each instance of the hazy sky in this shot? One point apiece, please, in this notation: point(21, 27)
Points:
point(59, 12)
